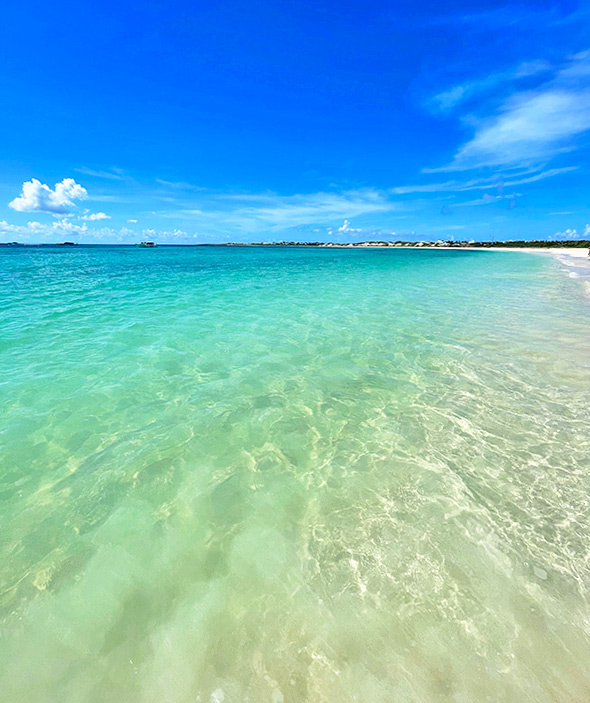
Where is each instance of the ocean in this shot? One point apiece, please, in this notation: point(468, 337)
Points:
point(293, 475)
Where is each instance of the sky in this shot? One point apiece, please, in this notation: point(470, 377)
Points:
point(197, 122)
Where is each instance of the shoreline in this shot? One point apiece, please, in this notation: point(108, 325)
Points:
point(575, 261)
point(572, 257)
point(574, 252)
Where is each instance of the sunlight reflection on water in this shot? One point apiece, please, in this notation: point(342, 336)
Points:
point(293, 475)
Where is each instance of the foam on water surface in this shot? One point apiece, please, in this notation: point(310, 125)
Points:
point(293, 475)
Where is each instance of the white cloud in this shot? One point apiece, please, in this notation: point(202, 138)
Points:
point(573, 234)
point(534, 125)
point(347, 229)
point(132, 221)
point(67, 227)
point(567, 234)
point(61, 227)
point(95, 216)
point(38, 197)
point(30, 227)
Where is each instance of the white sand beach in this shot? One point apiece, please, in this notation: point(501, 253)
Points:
point(569, 256)
point(569, 252)
point(577, 254)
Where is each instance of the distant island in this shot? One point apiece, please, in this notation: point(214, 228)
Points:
point(439, 244)
point(443, 244)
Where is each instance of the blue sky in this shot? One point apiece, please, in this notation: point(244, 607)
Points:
point(257, 121)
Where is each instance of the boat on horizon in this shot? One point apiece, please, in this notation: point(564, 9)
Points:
point(146, 244)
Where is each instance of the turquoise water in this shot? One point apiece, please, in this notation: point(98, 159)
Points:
point(293, 475)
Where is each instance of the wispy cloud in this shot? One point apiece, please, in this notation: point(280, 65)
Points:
point(445, 228)
point(178, 185)
point(487, 199)
point(115, 174)
point(452, 97)
point(125, 198)
point(275, 212)
point(480, 183)
point(514, 16)
point(531, 126)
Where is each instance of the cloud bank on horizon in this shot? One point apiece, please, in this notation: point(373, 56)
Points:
point(473, 122)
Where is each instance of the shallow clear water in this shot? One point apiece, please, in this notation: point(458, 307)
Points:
point(233, 475)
